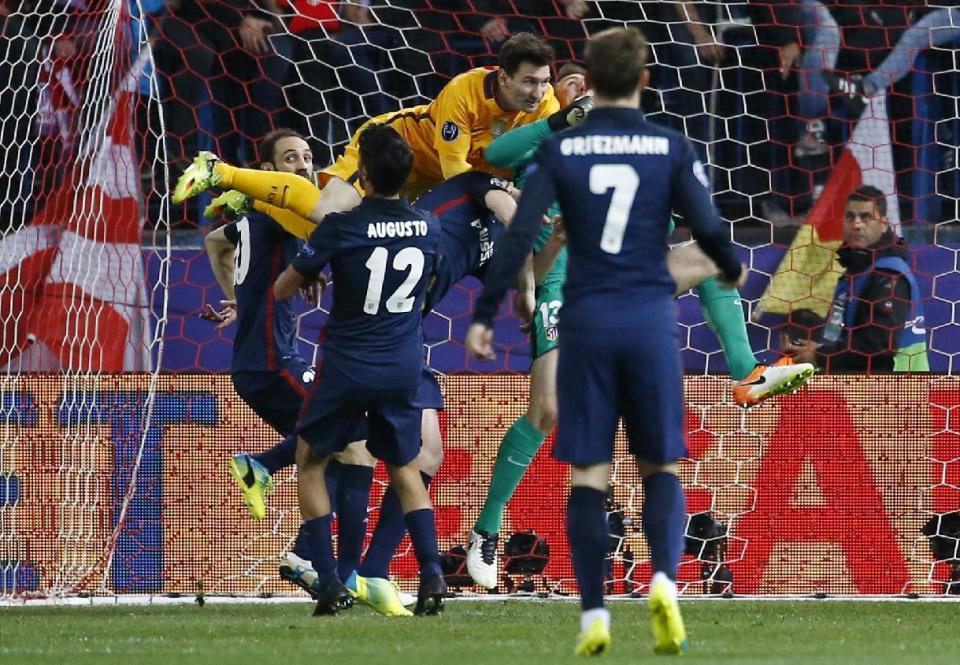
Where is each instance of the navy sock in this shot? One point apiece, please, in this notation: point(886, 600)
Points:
point(423, 533)
point(353, 498)
point(587, 533)
point(282, 455)
point(301, 546)
point(332, 478)
point(387, 536)
point(320, 547)
point(664, 521)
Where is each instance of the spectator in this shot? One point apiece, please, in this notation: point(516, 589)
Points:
point(224, 51)
point(477, 35)
point(342, 70)
point(876, 322)
point(939, 27)
point(688, 73)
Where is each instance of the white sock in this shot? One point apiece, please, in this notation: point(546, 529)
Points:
point(661, 578)
point(589, 616)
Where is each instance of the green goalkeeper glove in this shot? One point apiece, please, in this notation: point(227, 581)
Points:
point(571, 116)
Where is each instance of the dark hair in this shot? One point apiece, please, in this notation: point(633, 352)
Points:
point(872, 195)
point(386, 157)
point(525, 47)
point(615, 59)
point(570, 67)
point(268, 144)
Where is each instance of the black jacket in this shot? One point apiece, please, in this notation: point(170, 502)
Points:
point(883, 309)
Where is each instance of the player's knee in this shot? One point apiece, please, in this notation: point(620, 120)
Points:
point(356, 454)
point(543, 415)
point(649, 468)
point(430, 457)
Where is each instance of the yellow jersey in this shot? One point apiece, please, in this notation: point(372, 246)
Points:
point(448, 136)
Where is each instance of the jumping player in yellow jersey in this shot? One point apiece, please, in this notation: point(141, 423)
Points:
point(448, 137)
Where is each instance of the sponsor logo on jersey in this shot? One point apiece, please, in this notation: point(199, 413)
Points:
point(307, 376)
point(307, 250)
point(449, 131)
point(397, 229)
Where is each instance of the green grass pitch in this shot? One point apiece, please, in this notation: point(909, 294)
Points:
point(477, 633)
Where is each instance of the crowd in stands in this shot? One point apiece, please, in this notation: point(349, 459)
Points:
point(788, 75)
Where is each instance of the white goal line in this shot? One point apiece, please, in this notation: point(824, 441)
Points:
point(190, 599)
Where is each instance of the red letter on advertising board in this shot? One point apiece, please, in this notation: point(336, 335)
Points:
point(815, 427)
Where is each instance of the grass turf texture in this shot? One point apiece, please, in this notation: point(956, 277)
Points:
point(479, 632)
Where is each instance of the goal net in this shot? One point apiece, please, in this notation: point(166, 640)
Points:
point(84, 256)
point(113, 459)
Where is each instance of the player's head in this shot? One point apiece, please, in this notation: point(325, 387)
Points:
point(865, 217)
point(571, 83)
point(385, 160)
point(285, 150)
point(616, 62)
point(524, 75)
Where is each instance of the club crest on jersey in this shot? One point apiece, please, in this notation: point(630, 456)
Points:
point(449, 131)
point(551, 334)
point(499, 126)
point(307, 250)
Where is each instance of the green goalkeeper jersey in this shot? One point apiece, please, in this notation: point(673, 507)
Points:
point(514, 150)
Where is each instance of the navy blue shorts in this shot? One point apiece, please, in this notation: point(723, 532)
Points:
point(603, 376)
point(429, 395)
point(333, 415)
point(276, 396)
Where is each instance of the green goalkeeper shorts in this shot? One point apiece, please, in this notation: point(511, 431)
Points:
point(544, 336)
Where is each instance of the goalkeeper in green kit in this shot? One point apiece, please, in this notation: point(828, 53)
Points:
point(540, 299)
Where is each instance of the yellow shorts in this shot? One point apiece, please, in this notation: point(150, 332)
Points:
point(417, 130)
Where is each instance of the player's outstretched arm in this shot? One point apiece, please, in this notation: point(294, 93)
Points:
point(516, 147)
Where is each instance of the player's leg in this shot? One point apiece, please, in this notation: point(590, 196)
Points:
point(276, 399)
point(723, 311)
point(391, 527)
point(315, 530)
point(328, 421)
point(588, 399)
point(522, 441)
point(283, 190)
point(651, 377)
point(395, 439)
point(352, 499)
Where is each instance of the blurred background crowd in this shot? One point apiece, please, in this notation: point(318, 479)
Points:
point(768, 90)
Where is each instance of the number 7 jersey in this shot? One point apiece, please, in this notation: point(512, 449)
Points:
point(382, 254)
